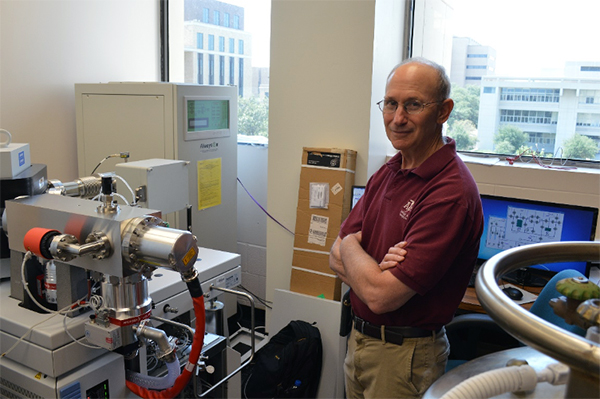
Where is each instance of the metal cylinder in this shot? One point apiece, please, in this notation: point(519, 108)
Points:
point(144, 241)
point(215, 320)
point(127, 301)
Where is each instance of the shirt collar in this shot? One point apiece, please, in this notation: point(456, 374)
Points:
point(432, 165)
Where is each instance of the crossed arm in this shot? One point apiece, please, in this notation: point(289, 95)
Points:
point(374, 284)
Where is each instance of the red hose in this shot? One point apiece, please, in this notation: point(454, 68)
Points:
point(184, 378)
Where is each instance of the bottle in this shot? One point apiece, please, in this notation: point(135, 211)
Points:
point(50, 282)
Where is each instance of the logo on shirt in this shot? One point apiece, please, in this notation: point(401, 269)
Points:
point(405, 212)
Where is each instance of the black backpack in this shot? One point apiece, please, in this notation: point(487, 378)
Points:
point(288, 366)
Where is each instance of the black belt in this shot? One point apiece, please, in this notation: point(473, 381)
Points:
point(392, 334)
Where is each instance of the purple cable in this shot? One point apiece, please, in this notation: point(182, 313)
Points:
point(260, 206)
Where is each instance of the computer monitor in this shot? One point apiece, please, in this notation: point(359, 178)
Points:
point(513, 222)
point(357, 192)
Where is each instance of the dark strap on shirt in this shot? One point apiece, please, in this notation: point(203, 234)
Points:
point(392, 334)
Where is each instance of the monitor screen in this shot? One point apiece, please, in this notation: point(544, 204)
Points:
point(357, 192)
point(206, 117)
point(512, 222)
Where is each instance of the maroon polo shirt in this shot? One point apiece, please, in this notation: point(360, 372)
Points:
point(435, 208)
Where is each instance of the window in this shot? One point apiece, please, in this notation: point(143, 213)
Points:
point(222, 70)
point(546, 79)
point(589, 97)
point(225, 42)
point(524, 116)
point(200, 68)
point(527, 94)
point(211, 69)
point(241, 78)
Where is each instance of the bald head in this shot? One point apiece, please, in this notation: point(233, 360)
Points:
point(442, 87)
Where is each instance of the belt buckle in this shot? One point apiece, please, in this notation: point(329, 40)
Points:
point(359, 324)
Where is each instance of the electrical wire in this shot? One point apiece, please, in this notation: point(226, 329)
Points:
point(534, 156)
point(130, 189)
point(123, 155)
point(263, 209)
point(63, 312)
point(26, 333)
point(263, 301)
point(29, 255)
point(77, 341)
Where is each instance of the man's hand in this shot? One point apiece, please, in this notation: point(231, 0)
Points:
point(394, 256)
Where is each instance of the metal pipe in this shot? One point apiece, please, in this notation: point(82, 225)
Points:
point(175, 323)
point(252, 336)
point(165, 351)
point(580, 354)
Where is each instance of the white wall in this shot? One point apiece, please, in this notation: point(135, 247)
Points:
point(320, 95)
point(252, 221)
point(49, 45)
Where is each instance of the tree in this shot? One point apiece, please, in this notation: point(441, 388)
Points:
point(253, 116)
point(466, 104)
point(465, 135)
point(509, 139)
point(580, 147)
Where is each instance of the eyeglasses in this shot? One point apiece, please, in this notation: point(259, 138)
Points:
point(411, 107)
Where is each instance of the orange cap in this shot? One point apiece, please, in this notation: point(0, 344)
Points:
point(34, 237)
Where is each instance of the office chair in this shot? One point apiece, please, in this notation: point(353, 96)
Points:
point(474, 334)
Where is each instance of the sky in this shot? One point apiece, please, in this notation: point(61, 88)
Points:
point(540, 33)
point(257, 20)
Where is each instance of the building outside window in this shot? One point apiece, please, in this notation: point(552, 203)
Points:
point(240, 56)
point(548, 92)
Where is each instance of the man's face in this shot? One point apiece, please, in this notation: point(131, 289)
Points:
point(414, 133)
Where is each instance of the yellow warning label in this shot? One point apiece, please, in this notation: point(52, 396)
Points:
point(209, 183)
point(189, 256)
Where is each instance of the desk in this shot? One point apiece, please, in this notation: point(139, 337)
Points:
point(470, 303)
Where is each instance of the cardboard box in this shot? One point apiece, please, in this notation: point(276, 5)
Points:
point(324, 196)
point(324, 201)
point(316, 284)
point(311, 260)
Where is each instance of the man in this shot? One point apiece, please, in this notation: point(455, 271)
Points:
point(408, 247)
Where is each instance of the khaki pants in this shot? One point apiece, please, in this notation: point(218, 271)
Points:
point(375, 369)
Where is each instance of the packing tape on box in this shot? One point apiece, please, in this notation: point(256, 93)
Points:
point(326, 168)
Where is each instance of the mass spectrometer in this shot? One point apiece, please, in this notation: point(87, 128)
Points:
point(109, 275)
